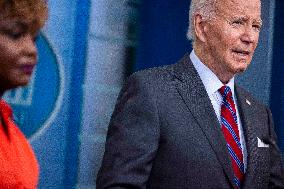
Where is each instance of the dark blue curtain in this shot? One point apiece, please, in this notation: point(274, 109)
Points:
point(277, 87)
point(162, 33)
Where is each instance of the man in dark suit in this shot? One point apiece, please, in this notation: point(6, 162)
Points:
point(188, 125)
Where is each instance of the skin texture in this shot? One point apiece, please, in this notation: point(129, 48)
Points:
point(20, 22)
point(18, 53)
point(226, 43)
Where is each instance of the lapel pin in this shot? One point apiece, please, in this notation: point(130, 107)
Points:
point(248, 102)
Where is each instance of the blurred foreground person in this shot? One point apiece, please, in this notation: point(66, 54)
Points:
point(20, 22)
point(188, 125)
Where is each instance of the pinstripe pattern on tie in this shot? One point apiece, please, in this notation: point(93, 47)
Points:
point(231, 133)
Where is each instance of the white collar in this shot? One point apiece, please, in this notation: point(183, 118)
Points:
point(211, 82)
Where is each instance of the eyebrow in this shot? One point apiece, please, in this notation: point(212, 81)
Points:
point(259, 21)
point(14, 24)
point(22, 25)
point(245, 18)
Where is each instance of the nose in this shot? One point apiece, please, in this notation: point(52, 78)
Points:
point(250, 35)
point(29, 46)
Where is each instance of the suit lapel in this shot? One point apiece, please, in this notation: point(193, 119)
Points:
point(248, 118)
point(192, 90)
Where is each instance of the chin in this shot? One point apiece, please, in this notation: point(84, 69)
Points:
point(240, 69)
point(12, 84)
point(21, 83)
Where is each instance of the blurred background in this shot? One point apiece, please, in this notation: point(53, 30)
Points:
point(89, 47)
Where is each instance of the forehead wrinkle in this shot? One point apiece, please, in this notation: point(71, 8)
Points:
point(234, 9)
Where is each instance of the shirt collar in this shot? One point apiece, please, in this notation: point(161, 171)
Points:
point(211, 82)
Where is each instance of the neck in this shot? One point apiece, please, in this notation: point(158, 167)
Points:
point(216, 67)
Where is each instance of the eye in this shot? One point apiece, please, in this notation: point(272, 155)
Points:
point(237, 22)
point(13, 33)
point(14, 29)
point(256, 27)
point(16, 34)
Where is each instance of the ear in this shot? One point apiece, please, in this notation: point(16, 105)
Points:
point(200, 27)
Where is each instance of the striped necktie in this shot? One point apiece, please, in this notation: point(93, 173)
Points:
point(231, 133)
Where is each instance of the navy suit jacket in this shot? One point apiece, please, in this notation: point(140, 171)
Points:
point(164, 134)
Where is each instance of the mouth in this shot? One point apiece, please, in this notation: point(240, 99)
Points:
point(27, 68)
point(241, 53)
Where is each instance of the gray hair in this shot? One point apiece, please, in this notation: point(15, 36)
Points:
point(206, 8)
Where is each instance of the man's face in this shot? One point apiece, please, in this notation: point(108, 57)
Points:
point(18, 53)
point(233, 35)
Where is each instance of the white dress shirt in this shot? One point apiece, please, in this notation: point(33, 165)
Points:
point(212, 84)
